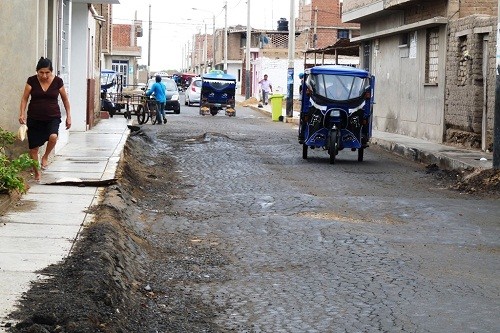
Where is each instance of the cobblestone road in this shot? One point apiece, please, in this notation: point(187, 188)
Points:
point(375, 246)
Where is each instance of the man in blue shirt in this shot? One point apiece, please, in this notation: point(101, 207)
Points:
point(158, 88)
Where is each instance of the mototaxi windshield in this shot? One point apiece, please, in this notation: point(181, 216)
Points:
point(337, 87)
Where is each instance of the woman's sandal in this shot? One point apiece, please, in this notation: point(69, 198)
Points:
point(43, 166)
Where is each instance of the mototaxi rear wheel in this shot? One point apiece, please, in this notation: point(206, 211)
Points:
point(361, 152)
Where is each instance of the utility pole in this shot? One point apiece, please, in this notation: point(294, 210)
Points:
point(189, 56)
point(225, 36)
point(149, 41)
point(315, 35)
point(496, 119)
point(247, 67)
point(205, 61)
point(199, 52)
point(291, 60)
point(213, 40)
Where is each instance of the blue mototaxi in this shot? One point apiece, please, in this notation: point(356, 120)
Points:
point(336, 109)
point(218, 91)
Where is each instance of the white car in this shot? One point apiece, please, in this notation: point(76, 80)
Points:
point(193, 92)
point(172, 93)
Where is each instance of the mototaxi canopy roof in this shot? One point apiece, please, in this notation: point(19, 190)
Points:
point(218, 75)
point(338, 70)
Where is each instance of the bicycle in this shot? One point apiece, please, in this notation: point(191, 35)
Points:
point(147, 110)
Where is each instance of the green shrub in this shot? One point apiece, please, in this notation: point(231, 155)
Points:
point(11, 169)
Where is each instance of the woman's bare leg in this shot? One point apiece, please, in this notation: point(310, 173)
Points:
point(34, 156)
point(50, 147)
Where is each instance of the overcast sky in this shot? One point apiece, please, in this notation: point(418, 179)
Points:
point(174, 22)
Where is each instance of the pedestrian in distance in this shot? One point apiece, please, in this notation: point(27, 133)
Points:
point(266, 87)
point(159, 90)
point(301, 85)
point(43, 115)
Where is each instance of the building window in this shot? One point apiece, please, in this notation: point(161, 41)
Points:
point(464, 63)
point(432, 56)
point(403, 40)
point(366, 56)
point(121, 66)
point(408, 45)
point(343, 33)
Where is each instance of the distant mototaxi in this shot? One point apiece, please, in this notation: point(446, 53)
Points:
point(218, 90)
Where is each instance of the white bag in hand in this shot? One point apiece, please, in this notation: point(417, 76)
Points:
point(21, 132)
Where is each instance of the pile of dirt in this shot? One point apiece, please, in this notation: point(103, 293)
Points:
point(484, 183)
point(250, 101)
point(462, 139)
point(96, 287)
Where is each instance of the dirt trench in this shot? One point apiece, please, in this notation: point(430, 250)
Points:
point(121, 277)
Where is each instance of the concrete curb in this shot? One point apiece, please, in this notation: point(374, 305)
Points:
point(417, 155)
point(292, 120)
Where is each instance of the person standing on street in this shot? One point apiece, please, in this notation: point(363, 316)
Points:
point(301, 86)
point(44, 113)
point(159, 89)
point(266, 88)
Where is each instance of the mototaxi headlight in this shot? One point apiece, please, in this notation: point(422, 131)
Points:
point(335, 113)
point(175, 97)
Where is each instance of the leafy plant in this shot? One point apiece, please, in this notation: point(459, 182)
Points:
point(11, 169)
point(6, 138)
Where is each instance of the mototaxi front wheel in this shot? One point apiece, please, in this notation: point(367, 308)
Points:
point(304, 151)
point(333, 147)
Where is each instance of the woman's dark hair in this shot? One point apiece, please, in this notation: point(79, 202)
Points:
point(158, 78)
point(44, 63)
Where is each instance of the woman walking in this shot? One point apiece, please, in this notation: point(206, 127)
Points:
point(43, 113)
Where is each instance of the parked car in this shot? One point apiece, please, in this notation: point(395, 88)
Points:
point(172, 93)
point(193, 92)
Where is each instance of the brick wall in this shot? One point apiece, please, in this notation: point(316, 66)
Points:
point(465, 81)
point(106, 12)
point(424, 10)
point(391, 3)
point(471, 7)
point(234, 49)
point(327, 20)
point(121, 35)
point(351, 5)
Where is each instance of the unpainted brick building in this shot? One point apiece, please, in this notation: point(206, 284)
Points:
point(435, 66)
point(321, 22)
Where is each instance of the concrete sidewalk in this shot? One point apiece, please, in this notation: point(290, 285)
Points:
point(444, 156)
point(42, 228)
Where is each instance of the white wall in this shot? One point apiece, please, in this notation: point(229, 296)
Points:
point(233, 70)
point(404, 104)
point(20, 48)
point(78, 65)
point(277, 72)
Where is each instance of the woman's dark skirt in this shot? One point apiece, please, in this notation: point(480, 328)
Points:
point(40, 130)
